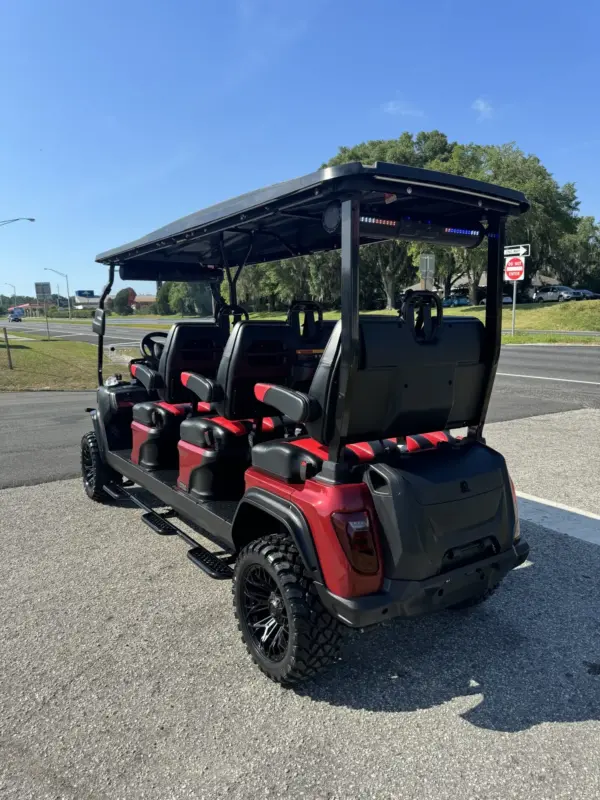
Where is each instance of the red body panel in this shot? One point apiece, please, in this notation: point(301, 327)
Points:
point(139, 434)
point(190, 457)
point(318, 502)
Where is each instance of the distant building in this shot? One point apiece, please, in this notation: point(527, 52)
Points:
point(28, 309)
point(143, 301)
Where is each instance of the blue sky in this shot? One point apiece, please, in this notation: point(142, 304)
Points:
point(118, 117)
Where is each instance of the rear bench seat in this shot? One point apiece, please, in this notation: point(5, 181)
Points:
point(297, 460)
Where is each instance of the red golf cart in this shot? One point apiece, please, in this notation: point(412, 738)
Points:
point(318, 457)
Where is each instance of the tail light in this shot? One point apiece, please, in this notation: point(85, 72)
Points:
point(517, 533)
point(356, 537)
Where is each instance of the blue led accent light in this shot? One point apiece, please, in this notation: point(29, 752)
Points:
point(461, 231)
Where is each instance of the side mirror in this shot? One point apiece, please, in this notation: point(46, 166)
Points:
point(99, 322)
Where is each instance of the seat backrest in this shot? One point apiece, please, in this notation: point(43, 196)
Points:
point(190, 347)
point(402, 386)
point(255, 352)
point(311, 341)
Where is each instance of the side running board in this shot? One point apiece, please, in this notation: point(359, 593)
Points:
point(213, 565)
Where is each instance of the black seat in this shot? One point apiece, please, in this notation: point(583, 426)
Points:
point(190, 346)
point(403, 386)
point(221, 445)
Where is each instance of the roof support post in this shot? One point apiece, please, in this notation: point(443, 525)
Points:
point(103, 296)
point(350, 341)
point(493, 316)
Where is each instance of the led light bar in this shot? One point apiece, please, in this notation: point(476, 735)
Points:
point(418, 228)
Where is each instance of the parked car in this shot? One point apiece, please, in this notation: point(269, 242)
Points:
point(14, 317)
point(456, 300)
point(587, 294)
point(554, 294)
point(506, 300)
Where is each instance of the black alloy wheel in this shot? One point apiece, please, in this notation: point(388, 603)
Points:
point(286, 629)
point(94, 472)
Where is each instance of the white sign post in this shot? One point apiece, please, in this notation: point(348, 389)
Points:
point(427, 270)
point(514, 270)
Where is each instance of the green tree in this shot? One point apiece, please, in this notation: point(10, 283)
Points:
point(577, 257)
point(122, 301)
point(162, 298)
point(180, 298)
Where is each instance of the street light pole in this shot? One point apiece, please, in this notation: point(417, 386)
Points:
point(14, 288)
point(66, 277)
point(16, 219)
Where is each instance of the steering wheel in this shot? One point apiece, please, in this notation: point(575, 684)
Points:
point(152, 345)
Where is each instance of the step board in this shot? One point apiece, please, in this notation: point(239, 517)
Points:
point(159, 524)
point(115, 491)
point(210, 563)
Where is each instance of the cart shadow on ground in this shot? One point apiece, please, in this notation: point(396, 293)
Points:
point(529, 655)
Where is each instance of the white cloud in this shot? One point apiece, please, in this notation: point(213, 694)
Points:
point(483, 108)
point(400, 108)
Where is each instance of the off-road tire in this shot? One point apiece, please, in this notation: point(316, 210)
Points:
point(472, 602)
point(314, 637)
point(94, 472)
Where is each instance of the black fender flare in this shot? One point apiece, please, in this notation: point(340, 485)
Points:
point(291, 518)
point(100, 432)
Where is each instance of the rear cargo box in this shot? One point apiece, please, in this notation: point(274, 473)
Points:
point(442, 508)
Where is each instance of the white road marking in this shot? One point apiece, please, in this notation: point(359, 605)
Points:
point(574, 522)
point(546, 378)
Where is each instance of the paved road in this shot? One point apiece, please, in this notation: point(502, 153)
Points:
point(123, 676)
point(125, 331)
point(116, 334)
point(40, 431)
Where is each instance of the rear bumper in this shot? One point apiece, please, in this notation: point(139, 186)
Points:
point(414, 598)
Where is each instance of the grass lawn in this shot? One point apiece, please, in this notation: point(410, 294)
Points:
point(42, 364)
point(573, 316)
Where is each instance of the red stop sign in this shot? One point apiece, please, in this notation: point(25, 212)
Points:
point(514, 268)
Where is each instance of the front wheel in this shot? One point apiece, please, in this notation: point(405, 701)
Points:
point(94, 472)
point(286, 629)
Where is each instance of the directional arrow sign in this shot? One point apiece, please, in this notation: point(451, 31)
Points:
point(517, 250)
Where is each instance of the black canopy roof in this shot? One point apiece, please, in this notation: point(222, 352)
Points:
point(286, 219)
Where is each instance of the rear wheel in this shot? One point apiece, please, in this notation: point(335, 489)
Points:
point(285, 628)
point(94, 472)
